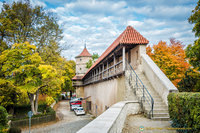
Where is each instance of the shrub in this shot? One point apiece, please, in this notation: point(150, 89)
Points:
point(3, 118)
point(14, 130)
point(184, 110)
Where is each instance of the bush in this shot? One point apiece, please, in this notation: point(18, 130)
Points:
point(22, 110)
point(3, 117)
point(14, 130)
point(184, 110)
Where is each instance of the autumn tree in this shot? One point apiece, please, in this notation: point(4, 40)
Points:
point(95, 56)
point(170, 59)
point(70, 73)
point(24, 69)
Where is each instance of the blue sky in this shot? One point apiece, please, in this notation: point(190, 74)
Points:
point(100, 22)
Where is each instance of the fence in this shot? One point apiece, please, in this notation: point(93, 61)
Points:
point(34, 121)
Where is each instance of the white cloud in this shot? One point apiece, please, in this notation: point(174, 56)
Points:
point(100, 22)
point(1, 4)
point(38, 2)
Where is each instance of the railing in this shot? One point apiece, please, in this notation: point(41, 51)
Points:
point(77, 83)
point(146, 96)
point(105, 74)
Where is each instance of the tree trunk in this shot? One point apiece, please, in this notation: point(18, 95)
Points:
point(36, 101)
point(31, 98)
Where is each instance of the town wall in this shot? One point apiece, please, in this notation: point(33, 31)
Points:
point(104, 94)
point(162, 85)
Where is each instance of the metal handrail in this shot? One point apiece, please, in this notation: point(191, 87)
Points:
point(142, 88)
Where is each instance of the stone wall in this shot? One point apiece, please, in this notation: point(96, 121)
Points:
point(113, 119)
point(105, 94)
point(81, 65)
point(157, 78)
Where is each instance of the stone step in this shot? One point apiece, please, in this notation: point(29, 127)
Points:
point(158, 111)
point(160, 114)
point(158, 103)
point(161, 118)
point(156, 106)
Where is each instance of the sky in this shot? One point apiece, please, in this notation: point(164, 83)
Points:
point(99, 22)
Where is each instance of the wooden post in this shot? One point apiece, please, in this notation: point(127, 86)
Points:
point(107, 70)
point(114, 60)
point(96, 74)
point(103, 71)
point(123, 58)
point(99, 72)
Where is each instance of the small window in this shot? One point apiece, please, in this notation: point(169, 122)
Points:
point(80, 68)
point(80, 59)
point(129, 56)
point(88, 105)
point(137, 54)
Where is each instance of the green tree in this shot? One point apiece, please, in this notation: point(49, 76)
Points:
point(20, 22)
point(189, 82)
point(70, 73)
point(193, 51)
point(24, 68)
point(95, 56)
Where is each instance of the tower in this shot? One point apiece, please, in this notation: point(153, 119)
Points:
point(81, 70)
point(81, 61)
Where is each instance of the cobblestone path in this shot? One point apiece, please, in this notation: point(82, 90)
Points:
point(69, 122)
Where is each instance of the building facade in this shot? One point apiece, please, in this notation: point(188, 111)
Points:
point(113, 77)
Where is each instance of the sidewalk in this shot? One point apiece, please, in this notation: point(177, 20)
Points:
point(139, 123)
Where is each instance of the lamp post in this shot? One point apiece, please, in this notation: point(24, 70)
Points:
point(30, 114)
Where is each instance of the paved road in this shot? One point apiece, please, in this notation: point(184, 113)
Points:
point(69, 122)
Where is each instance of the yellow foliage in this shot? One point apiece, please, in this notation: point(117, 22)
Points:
point(49, 100)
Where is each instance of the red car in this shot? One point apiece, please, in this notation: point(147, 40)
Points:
point(75, 104)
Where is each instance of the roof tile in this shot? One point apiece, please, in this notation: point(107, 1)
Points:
point(84, 53)
point(128, 36)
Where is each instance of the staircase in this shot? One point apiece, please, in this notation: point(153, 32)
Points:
point(151, 103)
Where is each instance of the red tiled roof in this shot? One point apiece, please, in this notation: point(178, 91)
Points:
point(77, 78)
point(84, 53)
point(128, 36)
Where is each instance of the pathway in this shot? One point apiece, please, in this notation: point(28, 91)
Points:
point(69, 122)
point(139, 123)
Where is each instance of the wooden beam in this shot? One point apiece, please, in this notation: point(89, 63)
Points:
point(114, 60)
point(123, 58)
point(107, 69)
point(103, 71)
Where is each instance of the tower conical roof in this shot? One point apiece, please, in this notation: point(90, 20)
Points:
point(84, 53)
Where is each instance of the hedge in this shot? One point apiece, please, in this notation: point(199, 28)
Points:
point(3, 118)
point(184, 110)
